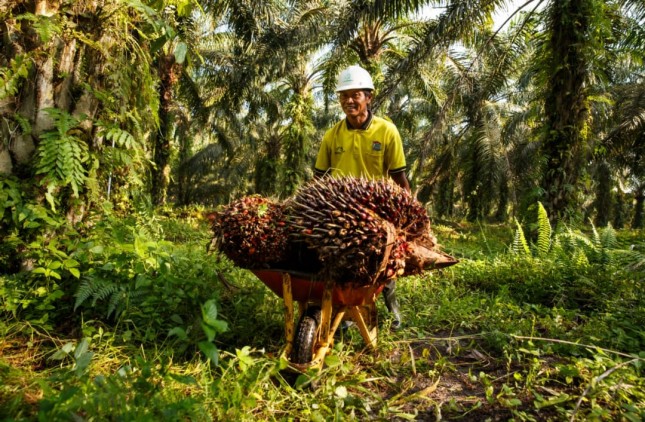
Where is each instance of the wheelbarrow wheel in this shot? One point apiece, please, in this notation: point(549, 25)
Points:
point(305, 337)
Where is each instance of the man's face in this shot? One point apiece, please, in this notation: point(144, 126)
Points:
point(354, 102)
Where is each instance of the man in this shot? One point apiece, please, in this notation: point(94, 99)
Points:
point(363, 145)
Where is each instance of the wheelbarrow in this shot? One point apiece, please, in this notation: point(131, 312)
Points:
point(322, 306)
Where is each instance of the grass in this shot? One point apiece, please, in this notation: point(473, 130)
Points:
point(497, 337)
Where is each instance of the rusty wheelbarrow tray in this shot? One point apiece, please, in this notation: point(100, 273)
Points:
point(322, 305)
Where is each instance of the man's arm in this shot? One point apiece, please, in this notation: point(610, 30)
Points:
point(401, 180)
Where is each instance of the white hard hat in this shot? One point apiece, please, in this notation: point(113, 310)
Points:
point(354, 77)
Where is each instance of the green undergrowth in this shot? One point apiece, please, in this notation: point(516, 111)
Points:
point(132, 318)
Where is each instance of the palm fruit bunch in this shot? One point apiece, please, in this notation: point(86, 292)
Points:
point(251, 232)
point(388, 200)
point(359, 227)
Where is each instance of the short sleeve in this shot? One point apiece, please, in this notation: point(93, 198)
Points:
point(394, 156)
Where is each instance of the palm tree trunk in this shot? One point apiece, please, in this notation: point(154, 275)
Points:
point(637, 222)
point(602, 204)
point(445, 196)
point(619, 209)
point(501, 214)
point(266, 168)
point(566, 105)
point(169, 71)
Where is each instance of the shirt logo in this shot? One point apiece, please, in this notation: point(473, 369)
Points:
point(339, 150)
point(376, 146)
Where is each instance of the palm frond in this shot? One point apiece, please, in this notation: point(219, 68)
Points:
point(457, 22)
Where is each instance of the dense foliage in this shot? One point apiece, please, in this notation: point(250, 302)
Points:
point(134, 319)
point(197, 102)
point(122, 122)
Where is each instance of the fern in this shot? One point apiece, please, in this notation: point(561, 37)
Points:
point(580, 249)
point(11, 201)
point(569, 245)
point(633, 258)
point(46, 27)
point(609, 243)
point(579, 258)
point(121, 138)
point(544, 232)
point(575, 240)
point(115, 296)
point(25, 125)
point(61, 156)
point(98, 289)
point(10, 77)
point(104, 290)
point(603, 241)
point(116, 303)
point(520, 245)
point(128, 151)
point(608, 237)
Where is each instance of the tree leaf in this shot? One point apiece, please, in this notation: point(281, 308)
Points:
point(83, 362)
point(71, 263)
point(209, 312)
point(210, 351)
point(158, 44)
point(63, 351)
point(209, 331)
point(179, 332)
point(81, 348)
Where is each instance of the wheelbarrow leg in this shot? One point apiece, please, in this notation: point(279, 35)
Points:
point(287, 297)
point(340, 314)
point(325, 336)
point(326, 308)
point(365, 318)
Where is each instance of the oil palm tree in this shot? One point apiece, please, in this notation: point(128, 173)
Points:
point(98, 76)
point(173, 49)
point(625, 141)
point(570, 58)
point(257, 92)
point(626, 146)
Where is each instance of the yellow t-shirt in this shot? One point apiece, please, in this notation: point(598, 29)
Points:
point(373, 151)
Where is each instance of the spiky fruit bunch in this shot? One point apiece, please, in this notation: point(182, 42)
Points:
point(387, 199)
point(359, 227)
point(251, 232)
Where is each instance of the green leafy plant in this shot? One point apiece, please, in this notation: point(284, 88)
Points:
point(135, 391)
point(11, 76)
point(520, 245)
point(211, 327)
point(44, 271)
point(81, 357)
point(18, 214)
point(62, 156)
point(544, 231)
point(568, 244)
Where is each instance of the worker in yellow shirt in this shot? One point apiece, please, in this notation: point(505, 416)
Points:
point(363, 145)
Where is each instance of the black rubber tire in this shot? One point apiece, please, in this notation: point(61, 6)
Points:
point(305, 337)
